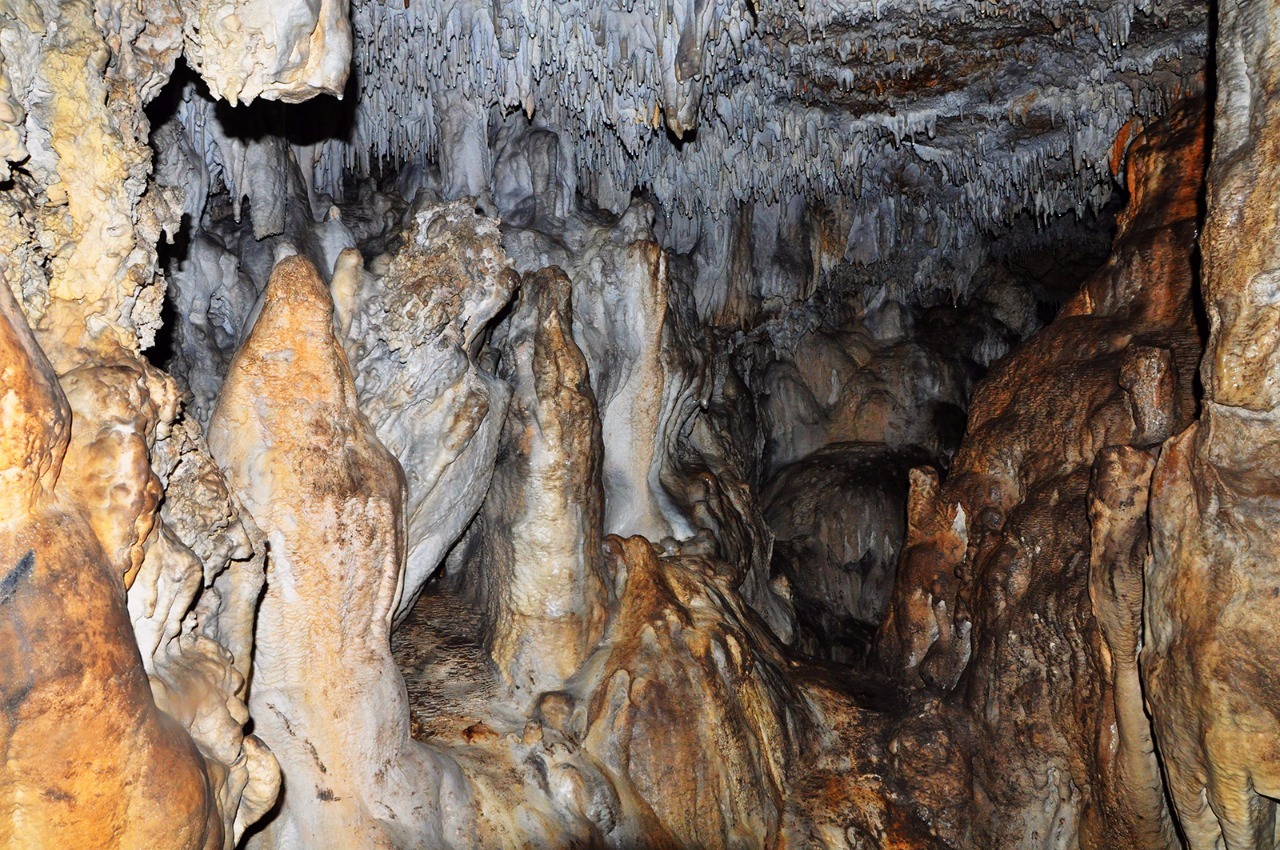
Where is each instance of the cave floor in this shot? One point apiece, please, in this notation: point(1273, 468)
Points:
point(454, 691)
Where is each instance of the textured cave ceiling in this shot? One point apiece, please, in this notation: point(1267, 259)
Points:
point(911, 132)
point(922, 119)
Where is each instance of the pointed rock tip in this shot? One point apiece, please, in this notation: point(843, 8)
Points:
point(35, 419)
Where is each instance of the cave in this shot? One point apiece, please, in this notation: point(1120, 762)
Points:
point(640, 424)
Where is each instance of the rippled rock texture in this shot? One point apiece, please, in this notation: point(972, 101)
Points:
point(1211, 583)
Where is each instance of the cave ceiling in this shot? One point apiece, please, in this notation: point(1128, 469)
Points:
point(923, 122)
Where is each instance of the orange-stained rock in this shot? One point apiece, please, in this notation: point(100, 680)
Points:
point(919, 632)
point(326, 696)
point(692, 702)
point(90, 762)
point(1118, 499)
point(543, 571)
point(1212, 580)
point(1043, 607)
point(118, 410)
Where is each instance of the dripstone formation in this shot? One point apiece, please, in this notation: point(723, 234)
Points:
point(664, 424)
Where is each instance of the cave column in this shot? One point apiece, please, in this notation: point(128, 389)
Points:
point(1212, 580)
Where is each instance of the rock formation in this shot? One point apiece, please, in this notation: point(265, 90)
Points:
point(329, 498)
point(543, 574)
point(90, 759)
point(708, 424)
point(995, 555)
point(1210, 584)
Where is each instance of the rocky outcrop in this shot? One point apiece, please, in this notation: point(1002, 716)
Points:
point(1211, 579)
point(678, 424)
point(627, 328)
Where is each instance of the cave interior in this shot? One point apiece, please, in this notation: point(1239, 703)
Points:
point(640, 424)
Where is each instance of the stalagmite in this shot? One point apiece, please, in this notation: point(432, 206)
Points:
point(683, 649)
point(543, 569)
point(621, 281)
point(329, 498)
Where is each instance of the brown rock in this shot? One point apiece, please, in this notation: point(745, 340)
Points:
point(1051, 601)
point(1213, 587)
point(692, 703)
point(90, 761)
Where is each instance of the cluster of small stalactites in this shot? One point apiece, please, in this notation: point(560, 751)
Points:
point(927, 123)
point(822, 98)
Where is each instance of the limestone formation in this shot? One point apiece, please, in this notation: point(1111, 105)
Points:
point(1005, 547)
point(415, 335)
point(681, 638)
point(672, 423)
point(286, 51)
point(1211, 583)
point(326, 696)
point(90, 759)
point(543, 575)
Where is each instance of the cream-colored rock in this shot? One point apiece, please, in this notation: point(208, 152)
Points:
point(678, 425)
point(414, 336)
point(12, 134)
point(79, 223)
point(117, 412)
point(326, 696)
point(543, 574)
point(868, 382)
point(288, 51)
point(621, 280)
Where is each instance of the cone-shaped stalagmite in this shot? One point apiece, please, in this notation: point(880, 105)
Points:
point(543, 564)
point(326, 697)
